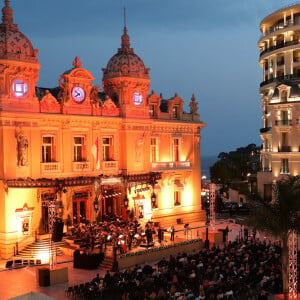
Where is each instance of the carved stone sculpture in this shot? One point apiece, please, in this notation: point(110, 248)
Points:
point(22, 148)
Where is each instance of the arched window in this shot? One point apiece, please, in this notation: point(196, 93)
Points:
point(283, 97)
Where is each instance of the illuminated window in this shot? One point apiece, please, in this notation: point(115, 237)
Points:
point(48, 154)
point(176, 150)
point(284, 96)
point(79, 148)
point(154, 149)
point(20, 88)
point(175, 112)
point(107, 148)
point(284, 166)
point(177, 198)
point(137, 98)
point(151, 110)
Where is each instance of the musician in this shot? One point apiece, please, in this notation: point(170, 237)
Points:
point(149, 235)
point(172, 231)
point(160, 234)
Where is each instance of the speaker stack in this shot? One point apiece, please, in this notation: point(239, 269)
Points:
point(58, 228)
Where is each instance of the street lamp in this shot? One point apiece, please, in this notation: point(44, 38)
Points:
point(125, 201)
point(60, 208)
point(53, 206)
point(153, 199)
point(96, 204)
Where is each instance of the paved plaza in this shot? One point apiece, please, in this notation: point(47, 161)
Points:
point(21, 281)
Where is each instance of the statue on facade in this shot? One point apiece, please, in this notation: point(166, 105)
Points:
point(22, 148)
point(94, 94)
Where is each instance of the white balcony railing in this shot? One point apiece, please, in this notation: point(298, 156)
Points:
point(81, 166)
point(111, 165)
point(171, 165)
point(50, 167)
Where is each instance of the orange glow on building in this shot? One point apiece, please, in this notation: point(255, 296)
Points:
point(76, 143)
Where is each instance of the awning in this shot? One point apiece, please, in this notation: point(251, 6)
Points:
point(139, 197)
point(157, 187)
point(178, 186)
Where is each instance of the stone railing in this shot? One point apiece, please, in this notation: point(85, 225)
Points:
point(50, 167)
point(79, 166)
point(111, 165)
point(171, 165)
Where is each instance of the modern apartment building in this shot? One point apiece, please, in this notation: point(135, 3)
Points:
point(279, 58)
point(121, 151)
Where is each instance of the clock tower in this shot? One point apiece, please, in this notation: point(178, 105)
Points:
point(19, 67)
point(126, 81)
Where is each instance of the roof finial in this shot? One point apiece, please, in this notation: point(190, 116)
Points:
point(193, 105)
point(7, 14)
point(124, 17)
point(77, 63)
point(125, 37)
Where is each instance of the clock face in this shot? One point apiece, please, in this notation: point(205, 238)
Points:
point(137, 98)
point(20, 88)
point(78, 94)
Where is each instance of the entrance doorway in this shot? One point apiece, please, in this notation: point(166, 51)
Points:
point(111, 200)
point(80, 207)
point(46, 197)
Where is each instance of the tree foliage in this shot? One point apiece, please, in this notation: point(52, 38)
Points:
point(235, 164)
point(276, 217)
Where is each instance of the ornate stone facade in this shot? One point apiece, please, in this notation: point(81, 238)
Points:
point(76, 142)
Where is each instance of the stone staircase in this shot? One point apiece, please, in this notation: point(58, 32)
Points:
point(107, 263)
point(40, 249)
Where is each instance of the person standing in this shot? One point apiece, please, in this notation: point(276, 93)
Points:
point(159, 232)
point(172, 231)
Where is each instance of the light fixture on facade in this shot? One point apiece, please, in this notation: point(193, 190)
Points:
point(153, 199)
point(60, 208)
point(96, 204)
point(125, 201)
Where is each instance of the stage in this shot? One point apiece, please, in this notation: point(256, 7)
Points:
point(147, 255)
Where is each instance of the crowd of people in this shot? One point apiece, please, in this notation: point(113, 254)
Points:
point(240, 270)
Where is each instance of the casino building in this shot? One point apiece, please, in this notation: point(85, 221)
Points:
point(125, 150)
point(280, 96)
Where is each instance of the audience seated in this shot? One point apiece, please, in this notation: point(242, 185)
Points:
point(240, 270)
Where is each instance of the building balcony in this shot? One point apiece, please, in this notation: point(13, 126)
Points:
point(279, 79)
point(280, 63)
point(110, 166)
point(171, 165)
point(265, 130)
point(283, 122)
point(280, 45)
point(296, 59)
point(266, 169)
point(279, 29)
point(81, 166)
point(284, 171)
point(284, 149)
point(50, 167)
point(266, 149)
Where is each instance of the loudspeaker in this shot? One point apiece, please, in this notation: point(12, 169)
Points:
point(206, 243)
point(9, 264)
point(44, 276)
point(58, 228)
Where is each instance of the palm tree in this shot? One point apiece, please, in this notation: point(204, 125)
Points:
point(275, 218)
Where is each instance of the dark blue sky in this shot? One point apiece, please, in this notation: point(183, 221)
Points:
point(206, 47)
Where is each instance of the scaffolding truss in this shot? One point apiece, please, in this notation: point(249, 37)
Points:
point(293, 279)
point(51, 216)
point(212, 198)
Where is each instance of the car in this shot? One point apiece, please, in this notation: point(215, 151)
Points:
point(244, 208)
point(230, 207)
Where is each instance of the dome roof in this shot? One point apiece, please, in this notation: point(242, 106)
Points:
point(125, 62)
point(14, 45)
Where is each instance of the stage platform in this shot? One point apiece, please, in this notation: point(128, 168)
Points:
point(158, 252)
